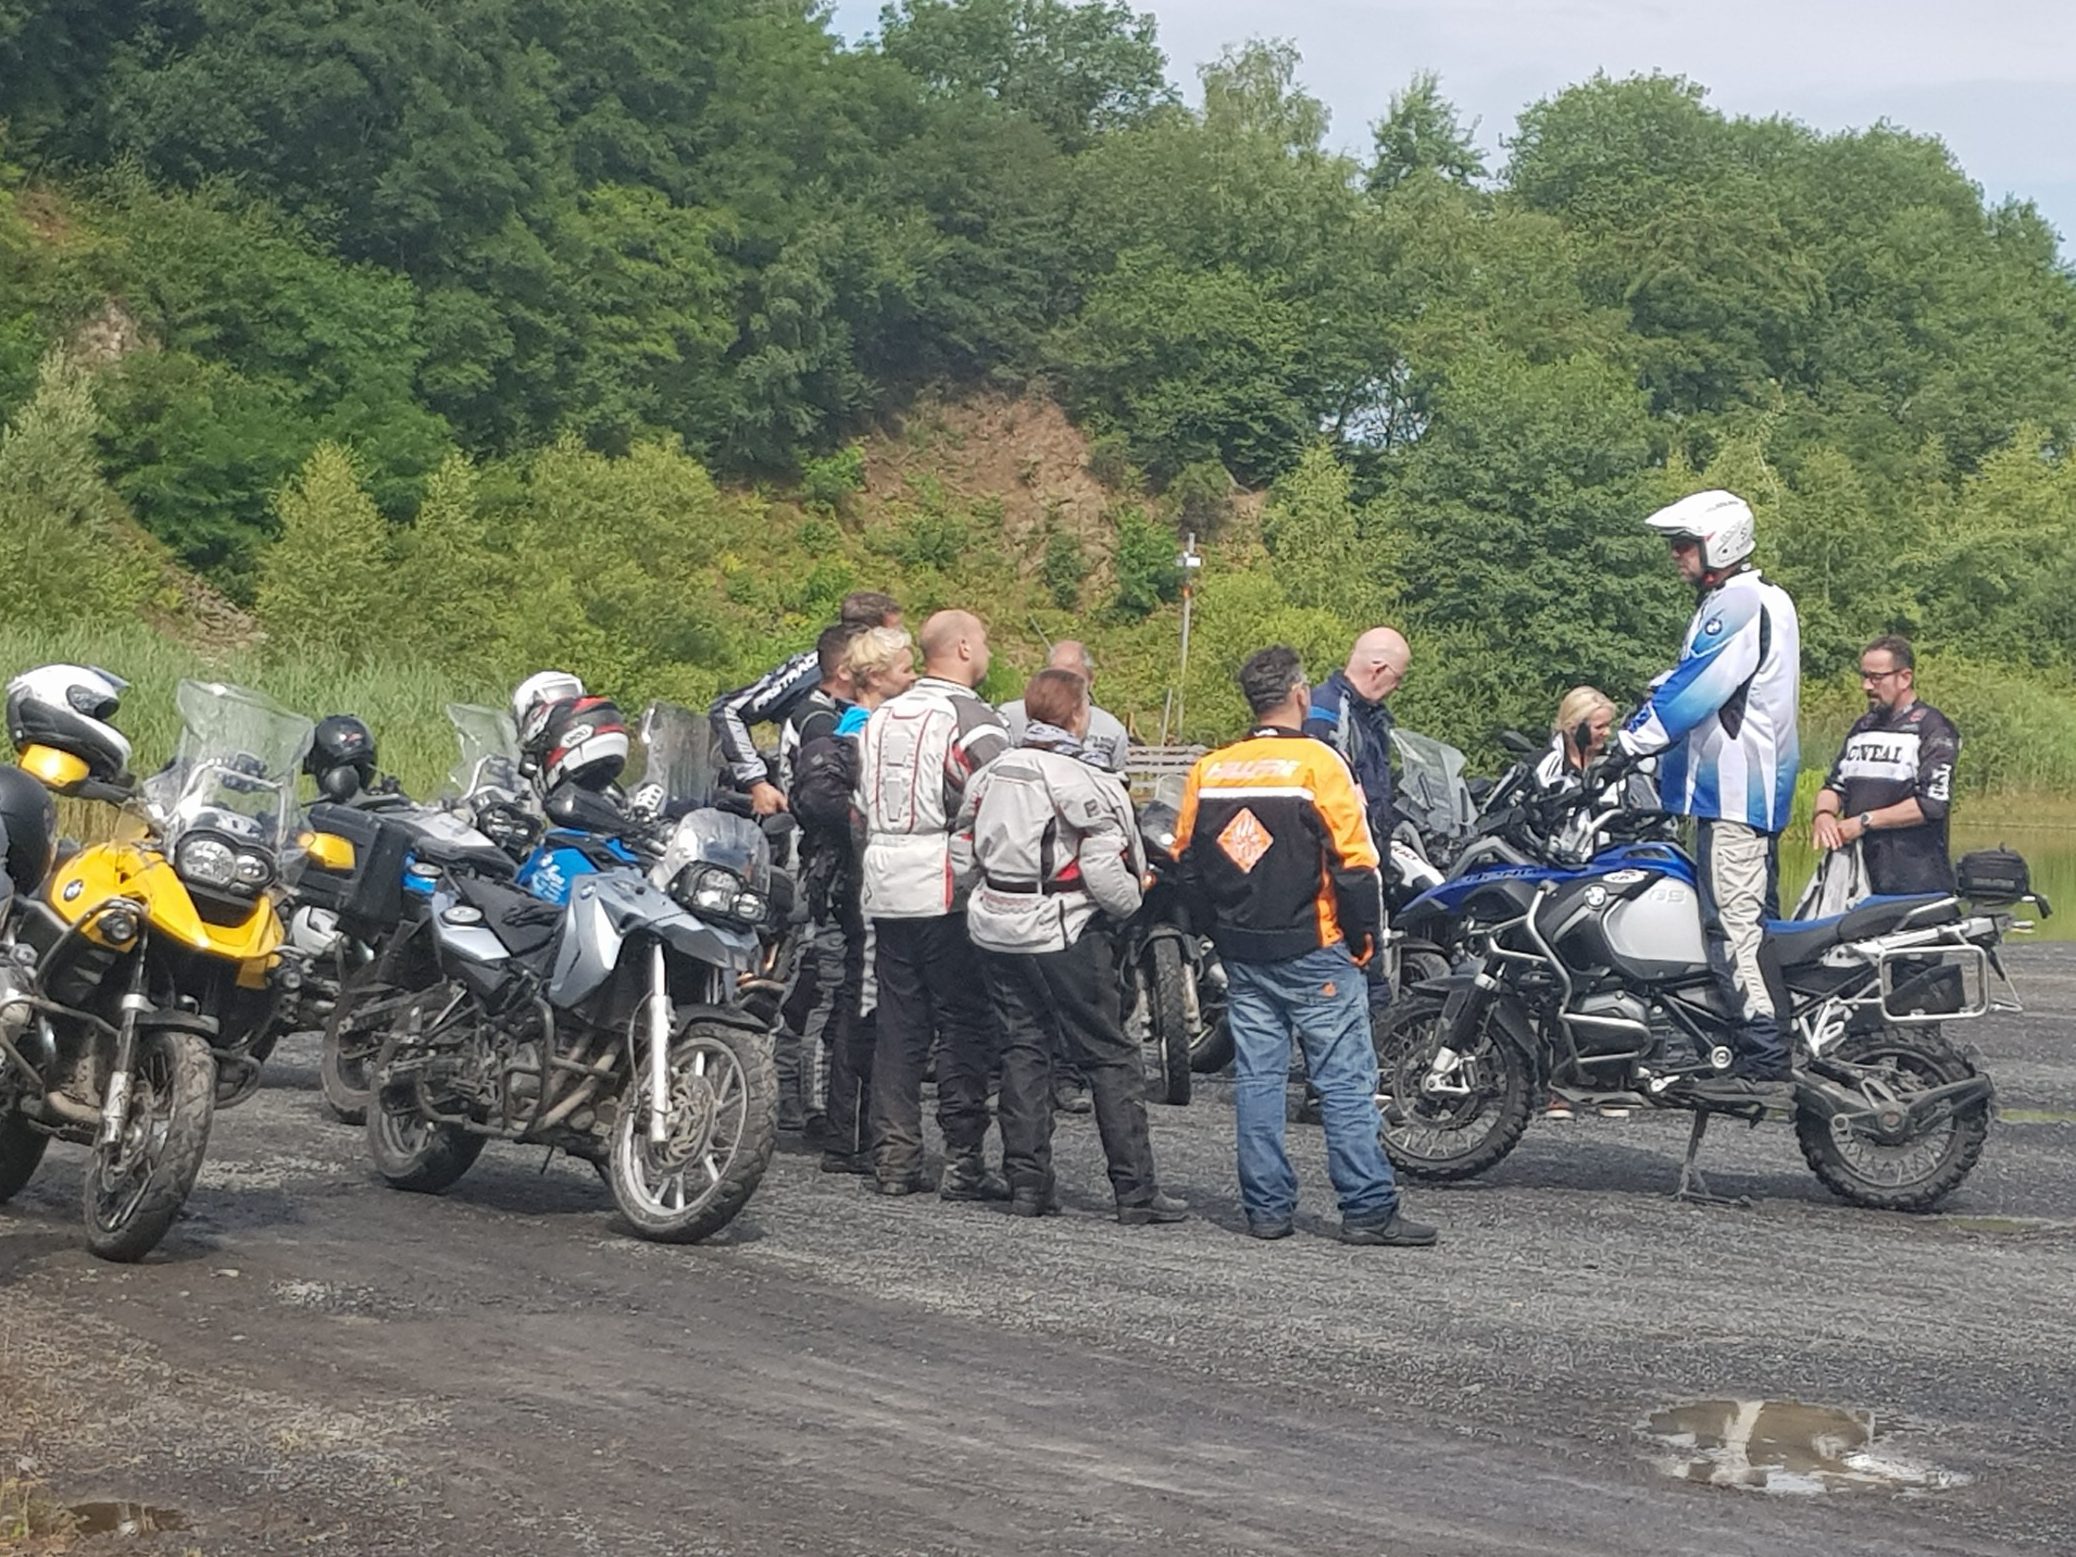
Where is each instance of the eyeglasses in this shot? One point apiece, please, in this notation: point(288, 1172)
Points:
point(1880, 675)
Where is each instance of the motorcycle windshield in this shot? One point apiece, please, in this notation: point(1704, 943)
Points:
point(681, 767)
point(489, 763)
point(233, 771)
point(1431, 789)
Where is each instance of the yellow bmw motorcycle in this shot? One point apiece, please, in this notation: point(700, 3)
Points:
point(139, 980)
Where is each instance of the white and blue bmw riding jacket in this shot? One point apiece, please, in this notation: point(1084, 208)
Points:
point(1724, 716)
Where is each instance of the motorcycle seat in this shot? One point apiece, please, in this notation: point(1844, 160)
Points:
point(1796, 941)
point(451, 854)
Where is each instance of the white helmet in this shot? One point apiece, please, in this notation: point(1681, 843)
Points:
point(536, 695)
point(1721, 521)
point(68, 707)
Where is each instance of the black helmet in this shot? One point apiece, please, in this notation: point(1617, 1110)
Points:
point(67, 707)
point(28, 829)
point(342, 756)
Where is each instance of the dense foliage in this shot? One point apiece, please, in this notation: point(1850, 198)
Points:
point(486, 297)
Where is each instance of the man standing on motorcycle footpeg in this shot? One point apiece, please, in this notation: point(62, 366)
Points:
point(1724, 719)
point(918, 753)
point(1053, 858)
point(1277, 856)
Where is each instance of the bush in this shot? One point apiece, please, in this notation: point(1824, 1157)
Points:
point(1203, 497)
point(1145, 564)
point(1063, 568)
point(826, 482)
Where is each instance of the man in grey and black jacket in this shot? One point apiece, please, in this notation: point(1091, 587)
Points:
point(1050, 850)
point(918, 753)
point(773, 696)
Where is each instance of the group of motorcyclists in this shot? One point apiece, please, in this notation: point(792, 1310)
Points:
point(964, 871)
point(951, 861)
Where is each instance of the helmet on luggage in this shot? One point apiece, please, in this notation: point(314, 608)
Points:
point(67, 708)
point(1719, 522)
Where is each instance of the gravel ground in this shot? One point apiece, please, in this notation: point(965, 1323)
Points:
point(314, 1361)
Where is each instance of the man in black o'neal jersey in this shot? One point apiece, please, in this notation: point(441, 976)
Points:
point(1892, 785)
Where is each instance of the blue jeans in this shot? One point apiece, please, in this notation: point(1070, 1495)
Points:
point(1323, 997)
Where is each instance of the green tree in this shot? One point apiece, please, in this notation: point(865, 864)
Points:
point(1421, 133)
point(1076, 69)
point(63, 546)
point(324, 586)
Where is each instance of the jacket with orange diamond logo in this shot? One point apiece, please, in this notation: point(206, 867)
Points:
point(1276, 853)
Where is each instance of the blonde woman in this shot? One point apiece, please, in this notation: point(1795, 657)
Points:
point(880, 663)
point(1584, 710)
point(1585, 719)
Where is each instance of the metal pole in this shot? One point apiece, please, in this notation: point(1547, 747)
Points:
point(1189, 562)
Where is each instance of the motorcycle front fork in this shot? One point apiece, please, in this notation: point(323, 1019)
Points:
point(659, 1047)
point(115, 1104)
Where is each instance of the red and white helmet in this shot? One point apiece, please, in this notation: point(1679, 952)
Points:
point(1721, 522)
point(581, 741)
point(536, 695)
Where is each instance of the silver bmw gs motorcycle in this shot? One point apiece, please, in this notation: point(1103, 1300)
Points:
point(605, 1022)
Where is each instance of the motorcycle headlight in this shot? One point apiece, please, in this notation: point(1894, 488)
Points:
point(751, 907)
point(206, 861)
point(708, 889)
point(255, 870)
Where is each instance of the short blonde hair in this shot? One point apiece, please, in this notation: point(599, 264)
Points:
point(876, 651)
point(1579, 705)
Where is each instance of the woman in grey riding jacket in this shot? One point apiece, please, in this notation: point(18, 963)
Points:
point(1052, 854)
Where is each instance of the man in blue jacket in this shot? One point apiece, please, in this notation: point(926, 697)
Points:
point(1724, 720)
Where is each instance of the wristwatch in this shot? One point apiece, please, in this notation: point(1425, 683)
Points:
point(1866, 821)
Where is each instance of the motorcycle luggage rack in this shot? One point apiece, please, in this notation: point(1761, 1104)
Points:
point(1906, 973)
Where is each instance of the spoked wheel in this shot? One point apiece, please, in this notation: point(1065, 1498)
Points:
point(721, 1126)
point(409, 1150)
point(1168, 1027)
point(353, 1034)
point(1451, 1127)
point(135, 1187)
point(1904, 1168)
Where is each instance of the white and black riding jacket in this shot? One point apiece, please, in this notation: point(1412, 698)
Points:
point(1889, 757)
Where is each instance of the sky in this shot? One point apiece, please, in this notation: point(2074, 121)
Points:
point(1996, 79)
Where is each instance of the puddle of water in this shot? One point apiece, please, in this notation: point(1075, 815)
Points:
point(123, 1519)
point(2037, 1116)
point(1783, 1447)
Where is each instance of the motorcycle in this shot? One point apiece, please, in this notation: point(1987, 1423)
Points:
point(138, 988)
point(1586, 973)
point(348, 919)
point(1170, 979)
point(605, 1025)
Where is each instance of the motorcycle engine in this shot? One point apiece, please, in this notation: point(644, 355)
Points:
point(1613, 1005)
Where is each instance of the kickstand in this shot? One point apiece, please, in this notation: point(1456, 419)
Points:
point(1693, 1188)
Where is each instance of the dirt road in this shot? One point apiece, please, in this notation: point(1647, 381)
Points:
point(314, 1362)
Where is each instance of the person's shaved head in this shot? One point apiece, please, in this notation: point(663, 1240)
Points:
point(1378, 663)
point(955, 648)
point(1072, 655)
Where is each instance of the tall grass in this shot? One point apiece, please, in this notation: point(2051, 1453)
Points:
point(402, 700)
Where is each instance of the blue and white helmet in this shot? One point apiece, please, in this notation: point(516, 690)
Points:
point(1720, 521)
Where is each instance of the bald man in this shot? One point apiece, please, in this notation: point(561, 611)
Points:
point(1350, 714)
point(1106, 745)
point(916, 755)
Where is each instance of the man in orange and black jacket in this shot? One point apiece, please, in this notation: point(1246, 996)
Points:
point(1278, 859)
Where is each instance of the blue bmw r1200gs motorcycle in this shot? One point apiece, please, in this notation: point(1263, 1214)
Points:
point(606, 1024)
point(1585, 971)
